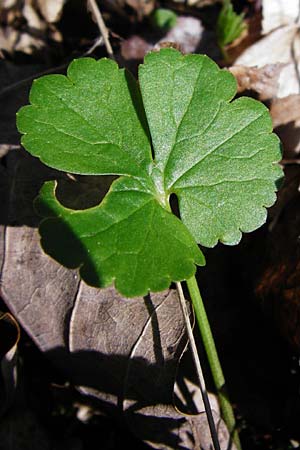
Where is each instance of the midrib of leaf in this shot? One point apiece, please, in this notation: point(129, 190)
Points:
point(249, 180)
point(75, 137)
point(179, 124)
point(118, 222)
point(96, 129)
point(90, 125)
point(143, 245)
point(195, 164)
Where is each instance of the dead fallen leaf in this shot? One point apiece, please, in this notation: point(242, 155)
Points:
point(51, 10)
point(142, 7)
point(153, 417)
point(200, 3)
point(286, 110)
point(187, 33)
point(285, 114)
point(27, 25)
point(262, 80)
point(278, 13)
point(7, 4)
point(280, 46)
point(121, 351)
point(9, 338)
point(135, 48)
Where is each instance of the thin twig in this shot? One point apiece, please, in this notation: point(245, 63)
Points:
point(210, 418)
point(94, 8)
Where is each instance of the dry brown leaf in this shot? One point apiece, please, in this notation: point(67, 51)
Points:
point(51, 10)
point(199, 3)
point(9, 338)
point(286, 110)
point(8, 38)
point(121, 351)
point(27, 25)
point(280, 46)
point(142, 7)
point(31, 16)
point(159, 422)
point(135, 48)
point(7, 4)
point(285, 114)
point(278, 13)
point(187, 33)
point(262, 80)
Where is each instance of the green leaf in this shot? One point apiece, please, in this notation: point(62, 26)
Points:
point(163, 18)
point(216, 155)
point(90, 122)
point(230, 25)
point(129, 238)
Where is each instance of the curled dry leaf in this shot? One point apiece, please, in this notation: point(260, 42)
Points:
point(262, 80)
point(9, 338)
point(51, 9)
point(187, 33)
point(285, 110)
point(199, 3)
point(285, 114)
point(280, 46)
point(142, 7)
point(37, 24)
point(278, 13)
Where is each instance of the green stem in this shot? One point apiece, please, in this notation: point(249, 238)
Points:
point(213, 359)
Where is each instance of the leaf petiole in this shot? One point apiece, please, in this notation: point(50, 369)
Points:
point(213, 359)
point(209, 414)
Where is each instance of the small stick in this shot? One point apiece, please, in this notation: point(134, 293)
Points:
point(94, 8)
point(210, 418)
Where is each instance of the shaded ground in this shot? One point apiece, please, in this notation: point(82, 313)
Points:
point(252, 301)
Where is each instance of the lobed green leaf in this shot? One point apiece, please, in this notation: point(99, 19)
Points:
point(218, 156)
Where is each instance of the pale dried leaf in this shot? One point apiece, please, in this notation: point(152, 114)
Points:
point(285, 110)
point(277, 13)
point(28, 43)
point(201, 3)
point(285, 114)
point(122, 351)
point(51, 10)
point(10, 335)
point(161, 423)
point(262, 80)
point(31, 16)
point(135, 48)
point(187, 33)
point(8, 38)
point(12, 40)
point(142, 7)
point(8, 3)
point(280, 46)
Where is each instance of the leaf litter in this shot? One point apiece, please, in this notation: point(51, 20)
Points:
point(282, 117)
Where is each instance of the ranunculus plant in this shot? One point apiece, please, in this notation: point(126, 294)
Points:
point(177, 131)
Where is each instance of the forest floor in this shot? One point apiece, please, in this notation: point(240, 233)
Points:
point(251, 291)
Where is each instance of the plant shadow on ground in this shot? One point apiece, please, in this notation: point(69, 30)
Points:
point(258, 365)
